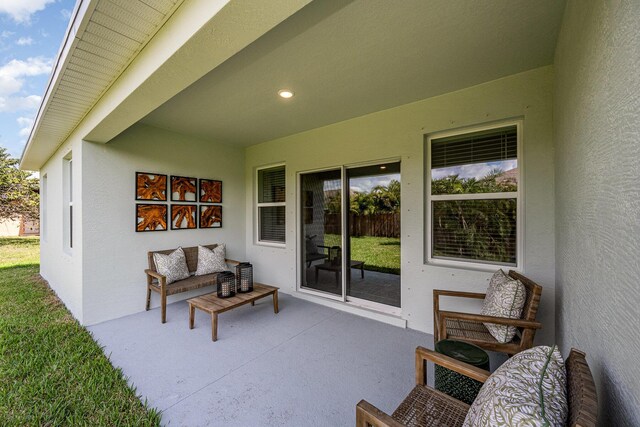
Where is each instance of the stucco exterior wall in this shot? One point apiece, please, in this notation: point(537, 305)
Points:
point(398, 133)
point(115, 255)
point(60, 265)
point(597, 134)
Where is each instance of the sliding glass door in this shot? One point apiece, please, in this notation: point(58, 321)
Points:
point(321, 231)
point(373, 234)
point(350, 234)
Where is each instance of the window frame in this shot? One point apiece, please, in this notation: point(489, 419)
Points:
point(68, 197)
point(518, 195)
point(259, 205)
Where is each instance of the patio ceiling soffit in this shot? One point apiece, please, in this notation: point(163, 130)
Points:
point(121, 59)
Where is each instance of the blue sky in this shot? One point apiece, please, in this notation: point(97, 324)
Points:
point(31, 32)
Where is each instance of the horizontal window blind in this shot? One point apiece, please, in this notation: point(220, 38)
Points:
point(272, 223)
point(477, 147)
point(271, 185)
point(482, 230)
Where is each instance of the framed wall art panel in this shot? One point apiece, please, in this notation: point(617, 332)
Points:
point(183, 189)
point(151, 217)
point(183, 217)
point(151, 186)
point(210, 216)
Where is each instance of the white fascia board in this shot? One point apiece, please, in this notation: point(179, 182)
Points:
point(79, 19)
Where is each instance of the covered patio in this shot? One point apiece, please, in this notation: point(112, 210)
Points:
point(510, 127)
point(307, 365)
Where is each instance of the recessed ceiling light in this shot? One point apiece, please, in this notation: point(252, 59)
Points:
point(285, 93)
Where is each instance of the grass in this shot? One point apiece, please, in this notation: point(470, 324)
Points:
point(51, 371)
point(378, 253)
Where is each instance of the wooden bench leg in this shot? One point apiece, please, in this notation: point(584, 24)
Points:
point(275, 301)
point(192, 315)
point(253, 303)
point(148, 298)
point(214, 327)
point(163, 303)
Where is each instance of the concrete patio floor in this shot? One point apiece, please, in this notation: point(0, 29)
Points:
point(306, 366)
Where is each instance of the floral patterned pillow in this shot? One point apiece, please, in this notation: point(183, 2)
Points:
point(505, 298)
point(211, 261)
point(172, 266)
point(530, 389)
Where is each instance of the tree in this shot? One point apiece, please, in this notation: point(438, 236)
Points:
point(19, 195)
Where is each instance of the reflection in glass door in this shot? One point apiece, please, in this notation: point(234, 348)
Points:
point(321, 231)
point(373, 234)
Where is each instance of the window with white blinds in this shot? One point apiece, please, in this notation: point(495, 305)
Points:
point(271, 205)
point(473, 196)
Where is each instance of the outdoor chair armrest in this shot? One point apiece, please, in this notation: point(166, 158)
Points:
point(367, 414)
point(518, 323)
point(447, 293)
point(424, 354)
point(162, 280)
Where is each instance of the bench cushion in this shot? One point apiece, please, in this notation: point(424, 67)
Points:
point(530, 389)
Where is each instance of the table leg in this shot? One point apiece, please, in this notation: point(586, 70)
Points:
point(192, 314)
point(214, 326)
point(275, 301)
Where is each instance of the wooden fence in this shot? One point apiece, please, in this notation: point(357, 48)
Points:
point(377, 225)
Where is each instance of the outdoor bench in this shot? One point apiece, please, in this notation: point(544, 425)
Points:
point(157, 282)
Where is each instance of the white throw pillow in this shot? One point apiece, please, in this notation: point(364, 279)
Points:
point(505, 298)
point(211, 261)
point(172, 266)
point(530, 389)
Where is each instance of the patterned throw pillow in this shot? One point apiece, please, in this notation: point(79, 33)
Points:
point(505, 298)
point(211, 261)
point(530, 389)
point(172, 266)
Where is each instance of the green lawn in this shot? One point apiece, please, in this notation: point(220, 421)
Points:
point(378, 253)
point(51, 371)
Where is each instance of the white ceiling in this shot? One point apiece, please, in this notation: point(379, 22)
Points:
point(344, 59)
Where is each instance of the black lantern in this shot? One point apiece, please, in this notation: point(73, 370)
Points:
point(244, 277)
point(226, 284)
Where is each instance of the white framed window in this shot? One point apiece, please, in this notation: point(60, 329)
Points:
point(474, 187)
point(271, 205)
point(67, 195)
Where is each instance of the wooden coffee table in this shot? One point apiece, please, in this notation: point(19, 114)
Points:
point(210, 303)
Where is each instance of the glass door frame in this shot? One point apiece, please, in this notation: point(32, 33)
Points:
point(353, 301)
point(300, 235)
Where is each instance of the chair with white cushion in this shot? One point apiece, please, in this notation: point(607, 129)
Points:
point(471, 327)
point(534, 387)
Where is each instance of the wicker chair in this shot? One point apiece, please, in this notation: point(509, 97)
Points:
point(470, 327)
point(425, 406)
